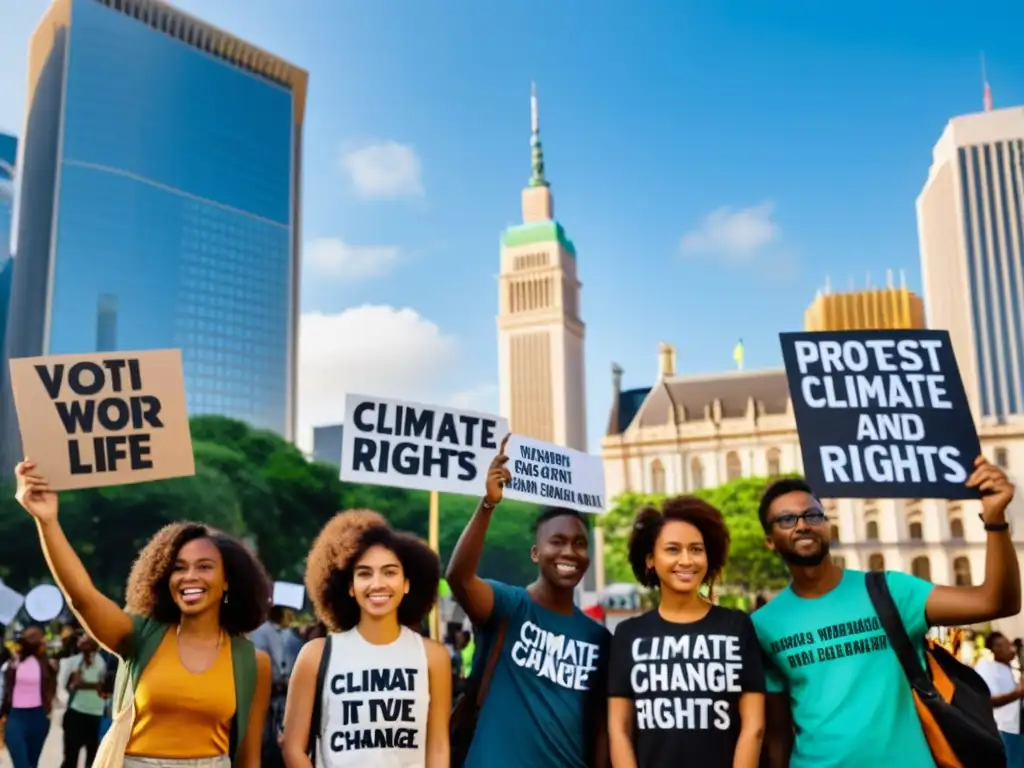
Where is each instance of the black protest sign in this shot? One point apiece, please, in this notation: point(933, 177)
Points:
point(104, 419)
point(881, 414)
point(416, 446)
point(378, 709)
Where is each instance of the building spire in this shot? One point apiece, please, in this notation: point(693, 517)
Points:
point(986, 89)
point(537, 178)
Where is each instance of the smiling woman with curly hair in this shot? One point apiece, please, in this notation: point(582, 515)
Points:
point(388, 689)
point(716, 710)
point(192, 594)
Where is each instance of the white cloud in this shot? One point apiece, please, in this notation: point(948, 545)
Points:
point(384, 169)
point(483, 398)
point(374, 350)
point(333, 258)
point(732, 233)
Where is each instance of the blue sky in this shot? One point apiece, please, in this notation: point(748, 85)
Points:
point(806, 126)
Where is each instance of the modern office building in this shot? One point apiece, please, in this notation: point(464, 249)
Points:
point(881, 309)
point(8, 156)
point(970, 217)
point(159, 206)
point(327, 444)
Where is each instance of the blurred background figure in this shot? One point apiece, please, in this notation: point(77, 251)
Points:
point(1007, 692)
point(277, 638)
point(30, 682)
point(85, 702)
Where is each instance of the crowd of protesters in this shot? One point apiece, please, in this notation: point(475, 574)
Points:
point(200, 670)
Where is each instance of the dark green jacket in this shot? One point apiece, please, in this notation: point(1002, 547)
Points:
point(139, 649)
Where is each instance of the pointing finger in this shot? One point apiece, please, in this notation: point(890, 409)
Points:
point(504, 442)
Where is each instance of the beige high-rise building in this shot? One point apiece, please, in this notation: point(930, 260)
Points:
point(540, 333)
point(882, 309)
point(970, 218)
point(542, 390)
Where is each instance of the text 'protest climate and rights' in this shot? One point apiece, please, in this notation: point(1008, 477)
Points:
point(104, 419)
point(881, 414)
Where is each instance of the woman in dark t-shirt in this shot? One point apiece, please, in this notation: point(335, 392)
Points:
point(686, 685)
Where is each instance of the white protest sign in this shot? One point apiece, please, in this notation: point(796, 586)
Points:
point(10, 603)
point(289, 595)
point(554, 476)
point(417, 446)
point(44, 603)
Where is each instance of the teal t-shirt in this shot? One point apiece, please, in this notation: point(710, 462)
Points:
point(549, 686)
point(851, 703)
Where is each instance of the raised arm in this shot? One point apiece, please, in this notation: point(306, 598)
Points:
point(998, 596)
point(101, 616)
point(298, 709)
point(471, 592)
point(439, 669)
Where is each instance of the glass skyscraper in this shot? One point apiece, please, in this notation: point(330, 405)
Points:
point(159, 202)
point(8, 155)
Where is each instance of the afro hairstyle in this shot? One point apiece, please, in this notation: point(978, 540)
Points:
point(148, 592)
point(342, 543)
point(687, 509)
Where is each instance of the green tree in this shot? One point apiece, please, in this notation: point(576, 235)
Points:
point(751, 566)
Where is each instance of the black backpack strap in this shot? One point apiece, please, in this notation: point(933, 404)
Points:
point(318, 702)
point(892, 623)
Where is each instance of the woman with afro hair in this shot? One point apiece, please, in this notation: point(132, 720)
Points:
point(196, 688)
point(374, 693)
point(686, 685)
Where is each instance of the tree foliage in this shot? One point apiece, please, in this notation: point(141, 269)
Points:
point(255, 485)
point(751, 565)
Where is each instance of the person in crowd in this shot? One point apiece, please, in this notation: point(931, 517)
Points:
point(30, 684)
point(200, 689)
point(1007, 692)
point(686, 678)
point(389, 696)
point(837, 695)
point(549, 683)
point(81, 721)
point(276, 638)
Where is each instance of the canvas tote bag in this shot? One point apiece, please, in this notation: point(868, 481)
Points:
point(111, 750)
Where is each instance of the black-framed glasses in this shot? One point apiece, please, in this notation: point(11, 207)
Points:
point(813, 517)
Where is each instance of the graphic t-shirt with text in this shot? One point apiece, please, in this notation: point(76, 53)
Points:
point(685, 681)
point(852, 705)
point(547, 690)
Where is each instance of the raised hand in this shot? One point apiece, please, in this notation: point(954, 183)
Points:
point(34, 494)
point(996, 489)
point(498, 475)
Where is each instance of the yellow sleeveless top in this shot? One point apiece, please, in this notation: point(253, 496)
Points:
point(179, 714)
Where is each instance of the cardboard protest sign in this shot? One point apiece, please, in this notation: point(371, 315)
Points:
point(417, 446)
point(881, 414)
point(554, 476)
point(103, 419)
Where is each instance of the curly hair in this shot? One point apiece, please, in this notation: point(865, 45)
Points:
point(687, 509)
point(148, 592)
point(342, 543)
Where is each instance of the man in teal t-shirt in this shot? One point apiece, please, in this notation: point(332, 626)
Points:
point(841, 697)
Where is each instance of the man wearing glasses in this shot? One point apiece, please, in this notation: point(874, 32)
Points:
point(837, 696)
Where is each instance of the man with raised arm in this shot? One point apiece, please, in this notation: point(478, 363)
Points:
point(837, 695)
point(546, 702)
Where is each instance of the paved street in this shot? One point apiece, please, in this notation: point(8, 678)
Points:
point(53, 751)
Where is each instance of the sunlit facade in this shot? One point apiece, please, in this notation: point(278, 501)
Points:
point(159, 204)
point(881, 309)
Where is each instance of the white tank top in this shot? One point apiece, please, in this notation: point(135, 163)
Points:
point(375, 703)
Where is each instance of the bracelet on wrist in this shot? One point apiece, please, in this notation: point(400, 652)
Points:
point(485, 504)
point(994, 527)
